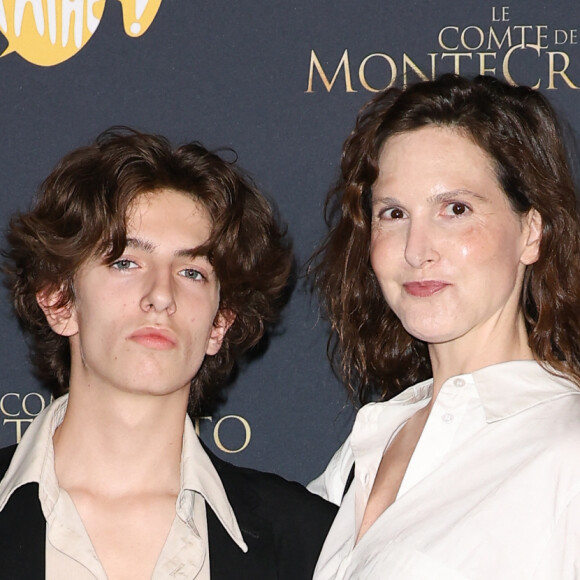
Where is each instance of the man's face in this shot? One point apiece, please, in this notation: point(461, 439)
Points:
point(144, 323)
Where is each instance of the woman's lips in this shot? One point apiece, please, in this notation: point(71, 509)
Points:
point(153, 338)
point(424, 288)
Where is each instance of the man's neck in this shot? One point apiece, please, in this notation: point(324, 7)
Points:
point(120, 443)
point(118, 456)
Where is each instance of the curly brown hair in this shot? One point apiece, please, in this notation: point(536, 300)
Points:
point(80, 212)
point(518, 129)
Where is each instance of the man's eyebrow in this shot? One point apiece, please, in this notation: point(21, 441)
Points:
point(149, 247)
point(199, 251)
point(140, 244)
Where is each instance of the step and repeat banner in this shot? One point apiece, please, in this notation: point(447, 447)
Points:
point(279, 82)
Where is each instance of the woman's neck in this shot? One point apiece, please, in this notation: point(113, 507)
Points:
point(475, 351)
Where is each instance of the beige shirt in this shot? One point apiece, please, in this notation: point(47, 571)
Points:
point(69, 552)
point(492, 490)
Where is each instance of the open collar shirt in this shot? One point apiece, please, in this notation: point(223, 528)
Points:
point(492, 489)
point(69, 552)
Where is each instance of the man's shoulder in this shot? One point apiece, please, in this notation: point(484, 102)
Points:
point(281, 521)
point(22, 528)
point(265, 483)
point(6, 454)
point(269, 493)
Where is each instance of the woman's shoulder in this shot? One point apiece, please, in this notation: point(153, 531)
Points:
point(331, 483)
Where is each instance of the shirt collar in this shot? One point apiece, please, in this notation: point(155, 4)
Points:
point(199, 475)
point(33, 462)
point(504, 389)
point(33, 459)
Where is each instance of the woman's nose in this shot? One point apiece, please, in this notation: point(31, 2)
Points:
point(420, 246)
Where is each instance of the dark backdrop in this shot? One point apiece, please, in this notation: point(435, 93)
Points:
point(281, 83)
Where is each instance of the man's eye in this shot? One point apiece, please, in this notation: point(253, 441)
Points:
point(192, 274)
point(124, 264)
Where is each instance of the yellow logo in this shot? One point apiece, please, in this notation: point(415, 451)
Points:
point(48, 32)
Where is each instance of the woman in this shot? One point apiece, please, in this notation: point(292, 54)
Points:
point(451, 277)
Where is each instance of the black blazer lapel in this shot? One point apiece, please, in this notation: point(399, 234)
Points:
point(22, 530)
point(283, 524)
point(227, 560)
point(23, 536)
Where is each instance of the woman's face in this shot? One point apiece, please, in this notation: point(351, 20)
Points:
point(447, 249)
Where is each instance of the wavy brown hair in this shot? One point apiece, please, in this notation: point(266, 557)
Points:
point(519, 131)
point(81, 211)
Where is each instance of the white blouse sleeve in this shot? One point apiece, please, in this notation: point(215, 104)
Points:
point(331, 483)
point(561, 558)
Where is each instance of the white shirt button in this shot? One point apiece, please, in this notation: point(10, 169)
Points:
point(447, 417)
point(459, 382)
point(365, 478)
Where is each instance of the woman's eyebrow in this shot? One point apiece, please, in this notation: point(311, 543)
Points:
point(437, 198)
point(453, 193)
point(385, 200)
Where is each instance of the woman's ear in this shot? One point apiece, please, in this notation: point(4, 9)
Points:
point(533, 227)
point(222, 323)
point(62, 319)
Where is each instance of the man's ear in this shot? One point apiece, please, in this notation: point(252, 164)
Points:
point(222, 322)
point(533, 225)
point(62, 319)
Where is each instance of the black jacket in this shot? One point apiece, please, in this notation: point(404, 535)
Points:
point(283, 525)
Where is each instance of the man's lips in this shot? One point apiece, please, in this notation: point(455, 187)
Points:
point(424, 288)
point(155, 338)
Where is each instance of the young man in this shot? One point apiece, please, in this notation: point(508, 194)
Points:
point(141, 274)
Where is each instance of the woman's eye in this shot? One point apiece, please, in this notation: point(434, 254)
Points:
point(192, 274)
point(392, 213)
point(124, 264)
point(456, 209)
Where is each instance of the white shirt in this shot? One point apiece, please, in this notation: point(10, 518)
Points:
point(69, 552)
point(492, 490)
